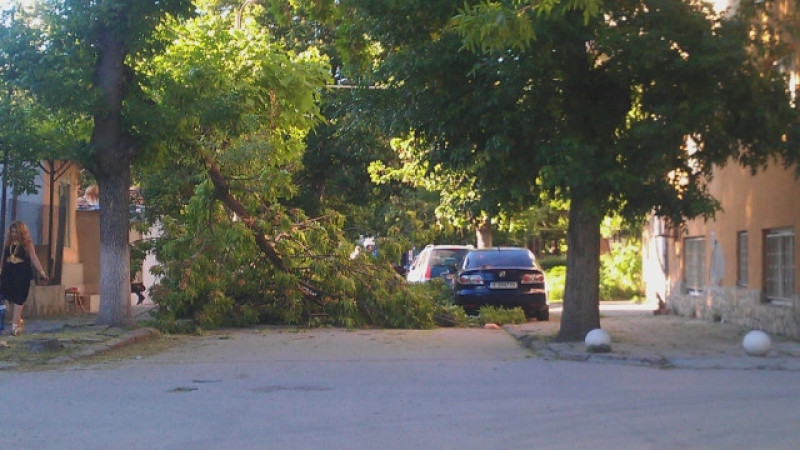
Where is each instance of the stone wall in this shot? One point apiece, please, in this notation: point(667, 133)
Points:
point(738, 306)
point(45, 301)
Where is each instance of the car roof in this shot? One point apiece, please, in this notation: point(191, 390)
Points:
point(500, 249)
point(450, 247)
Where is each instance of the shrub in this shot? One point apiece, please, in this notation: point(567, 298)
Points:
point(621, 272)
point(549, 262)
point(556, 278)
point(620, 275)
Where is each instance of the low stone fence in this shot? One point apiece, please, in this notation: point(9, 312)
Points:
point(45, 301)
point(741, 307)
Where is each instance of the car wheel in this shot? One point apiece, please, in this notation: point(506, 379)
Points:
point(543, 315)
point(530, 313)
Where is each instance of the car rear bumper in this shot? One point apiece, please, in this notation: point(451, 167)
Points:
point(472, 299)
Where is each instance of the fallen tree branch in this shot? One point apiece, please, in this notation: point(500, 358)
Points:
point(223, 193)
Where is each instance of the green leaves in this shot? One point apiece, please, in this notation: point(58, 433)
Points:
point(245, 105)
point(489, 26)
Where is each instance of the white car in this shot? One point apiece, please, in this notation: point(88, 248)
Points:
point(436, 260)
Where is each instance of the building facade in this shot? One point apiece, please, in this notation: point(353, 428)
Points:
point(741, 267)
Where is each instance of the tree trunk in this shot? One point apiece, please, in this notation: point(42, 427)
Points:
point(115, 288)
point(111, 168)
point(483, 234)
point(582, 291)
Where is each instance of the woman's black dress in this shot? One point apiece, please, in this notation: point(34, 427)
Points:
point(15, 280)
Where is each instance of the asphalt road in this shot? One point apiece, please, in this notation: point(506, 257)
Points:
point(439, 389)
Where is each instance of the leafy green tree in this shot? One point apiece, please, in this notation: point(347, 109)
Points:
point(20, 140)
point(75, 57)
point(32, 138)
point(628, 111)
point(340, 149)
point(236, 249)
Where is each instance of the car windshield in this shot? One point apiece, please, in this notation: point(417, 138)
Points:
point(499, 258)
point(447, 257)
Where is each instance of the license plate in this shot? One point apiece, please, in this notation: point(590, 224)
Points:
point(503, 285)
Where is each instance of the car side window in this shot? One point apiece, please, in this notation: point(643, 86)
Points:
point(418, 260)
point(468, 261)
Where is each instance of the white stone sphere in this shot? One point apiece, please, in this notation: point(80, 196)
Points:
point(756, 343)
point(598, 340)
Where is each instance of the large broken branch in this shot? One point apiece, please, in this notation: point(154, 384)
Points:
point(223, 193)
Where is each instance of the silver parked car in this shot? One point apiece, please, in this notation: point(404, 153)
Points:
point(436, 260)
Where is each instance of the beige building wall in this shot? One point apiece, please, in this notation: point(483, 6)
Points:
point(66, 185)
point(755, 204)
point(768, 200)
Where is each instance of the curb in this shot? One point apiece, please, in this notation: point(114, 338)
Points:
point(125, 339)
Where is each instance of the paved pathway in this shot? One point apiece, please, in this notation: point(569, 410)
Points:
point(638, 338)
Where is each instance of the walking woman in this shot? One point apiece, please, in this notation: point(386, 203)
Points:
point(19, 260)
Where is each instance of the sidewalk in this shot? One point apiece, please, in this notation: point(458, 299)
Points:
point(56, 324)
point(637, 338)
point(64, 339)
point(640, 338)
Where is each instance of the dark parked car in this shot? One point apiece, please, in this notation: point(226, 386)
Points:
point(505, 277)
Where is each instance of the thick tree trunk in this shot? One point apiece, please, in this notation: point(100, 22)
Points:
point(115, 288)
point(483, 234)
point(582, 291)
point(111, 168)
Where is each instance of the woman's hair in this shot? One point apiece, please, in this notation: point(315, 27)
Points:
point(22, 230)
point(92, 191)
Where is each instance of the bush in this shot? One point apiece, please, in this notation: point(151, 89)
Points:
point(621, 272)
point(620, 275)
point(549, 262)
point(556, 278)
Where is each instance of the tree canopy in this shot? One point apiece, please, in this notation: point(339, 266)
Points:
point(628, 110)
point(74, 59)
point(616, 108)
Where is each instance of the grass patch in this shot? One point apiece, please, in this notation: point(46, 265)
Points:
point(500, 316)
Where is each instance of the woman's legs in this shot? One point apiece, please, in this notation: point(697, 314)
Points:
point(17, 324)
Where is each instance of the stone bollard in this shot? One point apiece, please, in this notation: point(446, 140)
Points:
point(756, 343)
point(597, 341)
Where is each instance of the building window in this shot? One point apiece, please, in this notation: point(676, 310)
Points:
point(741, 256)
point(695, 264)
point(779, 264)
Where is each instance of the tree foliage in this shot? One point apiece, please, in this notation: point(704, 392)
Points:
point(627, 110)
point(239, 251)
point(75, 58)
point(22, 136)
